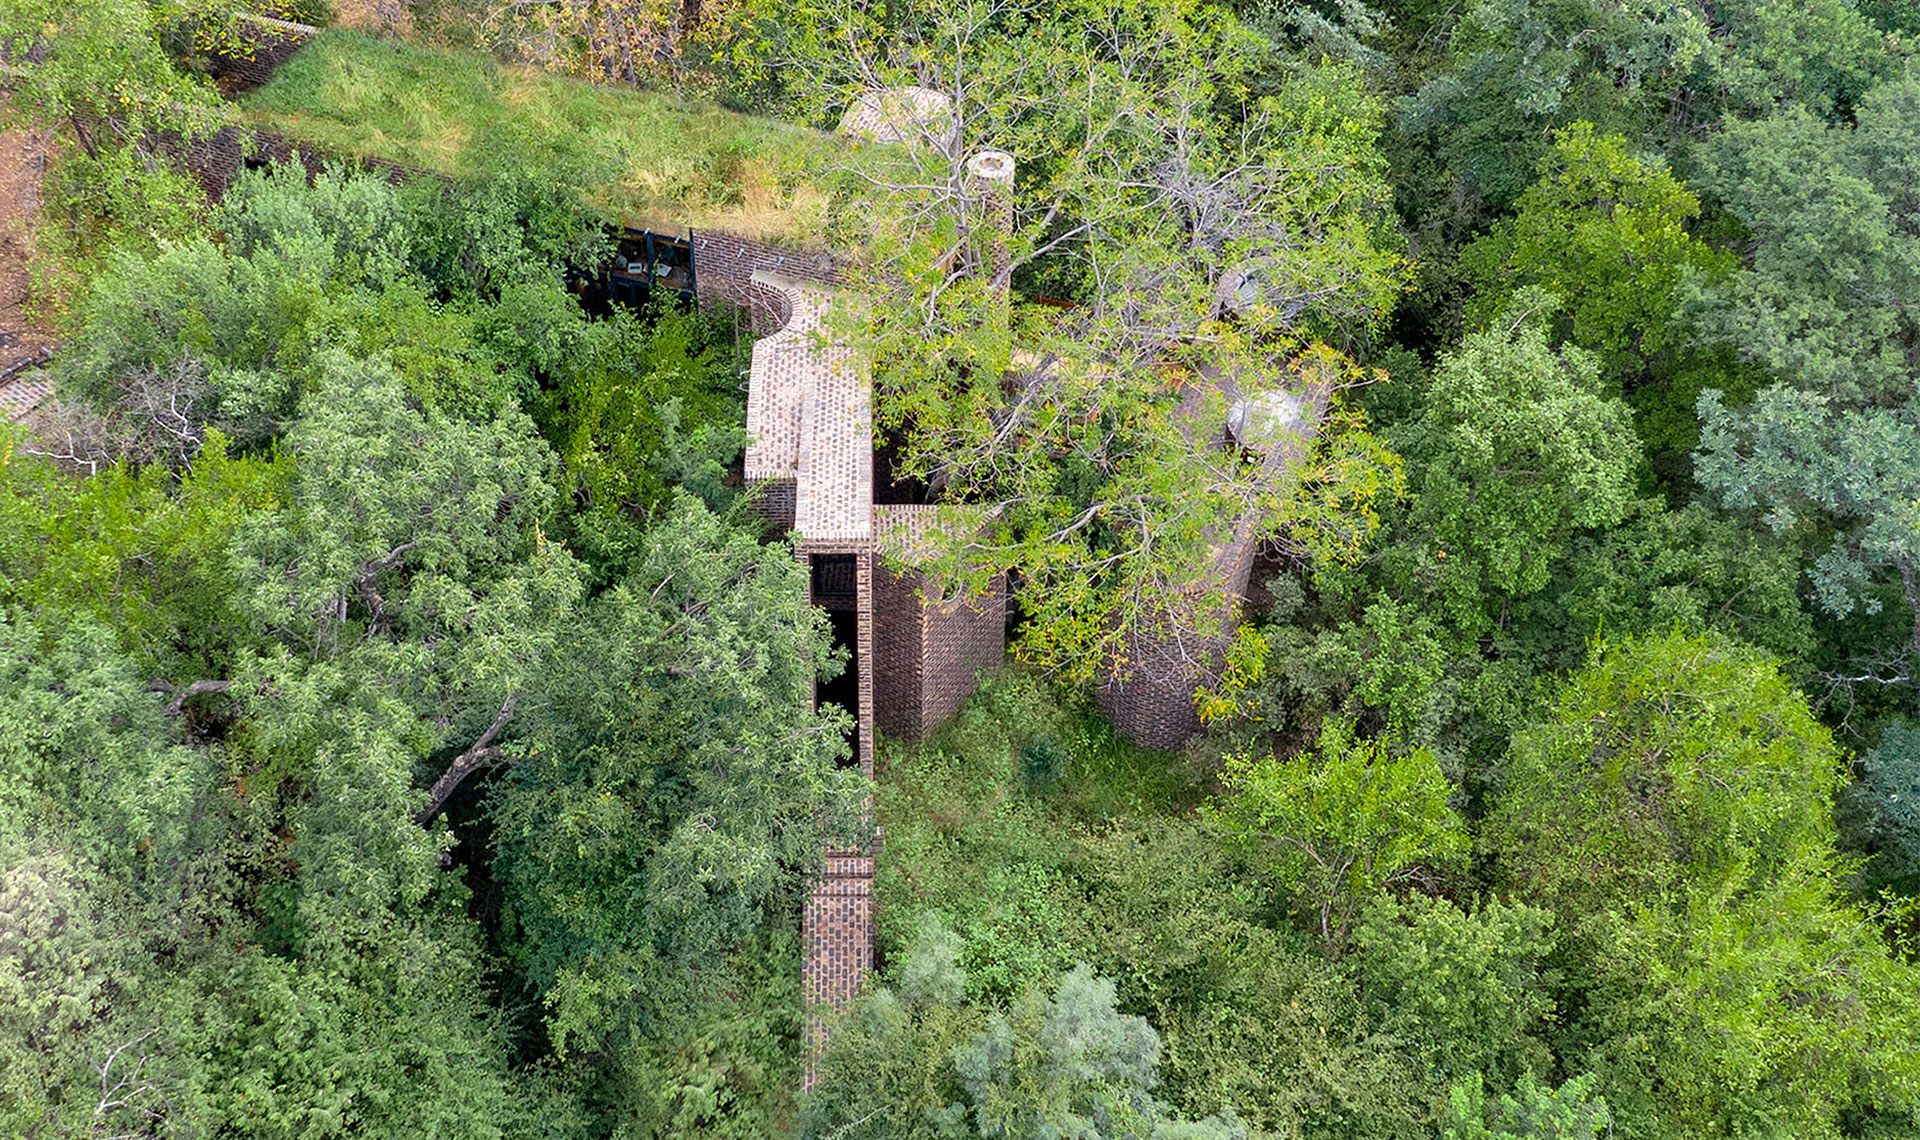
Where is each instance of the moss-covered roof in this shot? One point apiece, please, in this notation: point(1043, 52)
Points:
point(647, 158)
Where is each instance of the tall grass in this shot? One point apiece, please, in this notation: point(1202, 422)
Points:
point(647, 158)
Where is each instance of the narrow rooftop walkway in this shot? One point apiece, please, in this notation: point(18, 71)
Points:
point(810, 418)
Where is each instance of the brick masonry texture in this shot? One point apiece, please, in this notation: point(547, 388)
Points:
point(837, 931)
point(809, 417)
point(267, 44)
point(810, 448)
point(929, 653)
point(724, 266)
point(215, 161)
point(1152, 703)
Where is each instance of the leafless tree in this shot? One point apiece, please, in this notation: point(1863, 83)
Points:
point(155, 417)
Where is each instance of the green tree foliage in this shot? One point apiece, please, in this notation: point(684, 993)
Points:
point(1659, 571)
point(1533, 1112)
point(1521, 67)
point(1088, 866)
point(100, 76)
point(478, 238)
point(250, 672)
point(674, 789)
point(1805, 463)
point(639, 407)
point(1887, 800)
point(1673, 808)
point(1605, 231)
point(1827, 302)
point(1337, 826)
point(1826, 307)
point(1822, 56)
point(1468, 993)
point(169, 937)
point(1665, 760)
point(1206, 249)
point(1517, 448)
point(1515, 70)
point(405, 731)
point(195, 333)
point(143, 553)
point(388, 495)
point(1064, 1063)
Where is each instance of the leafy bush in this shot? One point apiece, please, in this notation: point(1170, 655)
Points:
point(1059, 1063)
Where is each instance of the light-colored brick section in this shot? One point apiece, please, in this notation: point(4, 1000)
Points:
point(21, 395)
point(810, 417)
point(810, 430)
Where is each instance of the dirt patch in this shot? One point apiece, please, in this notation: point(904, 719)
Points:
point(23, 159)
point(375, 17)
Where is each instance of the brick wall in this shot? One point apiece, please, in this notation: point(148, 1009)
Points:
point(899, 645)
point(1152, 704)
point(724, 266)
point(929, 654)
point(265, 45)
point(961, 638)
point(837, 924)
point(774, 501)
point(215, 161)
point(837, 929)
point(864, 570)
point(1152, 710)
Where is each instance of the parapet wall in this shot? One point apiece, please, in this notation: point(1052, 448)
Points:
point(264, 44)
point(215, 161)
point(724, 265)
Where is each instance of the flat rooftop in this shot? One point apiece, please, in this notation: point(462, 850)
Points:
point(810, 418)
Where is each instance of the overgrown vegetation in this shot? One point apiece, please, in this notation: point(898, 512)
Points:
point(641, 156)
point(409, 725)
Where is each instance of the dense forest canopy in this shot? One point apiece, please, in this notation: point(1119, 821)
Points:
point(410, 723)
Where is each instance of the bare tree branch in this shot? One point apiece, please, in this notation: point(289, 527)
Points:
point(468, 762)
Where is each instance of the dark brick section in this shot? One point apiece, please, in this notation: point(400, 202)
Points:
point(963, 637)
point(898, 646)
point(865, 610)
point(838, 931)
point(265, 45)
point(773, 500)
point(1152, 701)
point(724, 266)
point(215, 161)
point(928, 654)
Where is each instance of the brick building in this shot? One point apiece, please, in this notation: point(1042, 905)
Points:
point(914, 657)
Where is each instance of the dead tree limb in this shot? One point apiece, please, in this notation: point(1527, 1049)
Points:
point(184, 693)
point(465, 764)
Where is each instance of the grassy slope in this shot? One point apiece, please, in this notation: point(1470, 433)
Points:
point(645, 157)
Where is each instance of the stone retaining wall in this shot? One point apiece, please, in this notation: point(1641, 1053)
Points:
point(266, 44)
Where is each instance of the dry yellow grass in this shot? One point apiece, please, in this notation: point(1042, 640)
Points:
point(376, 17)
